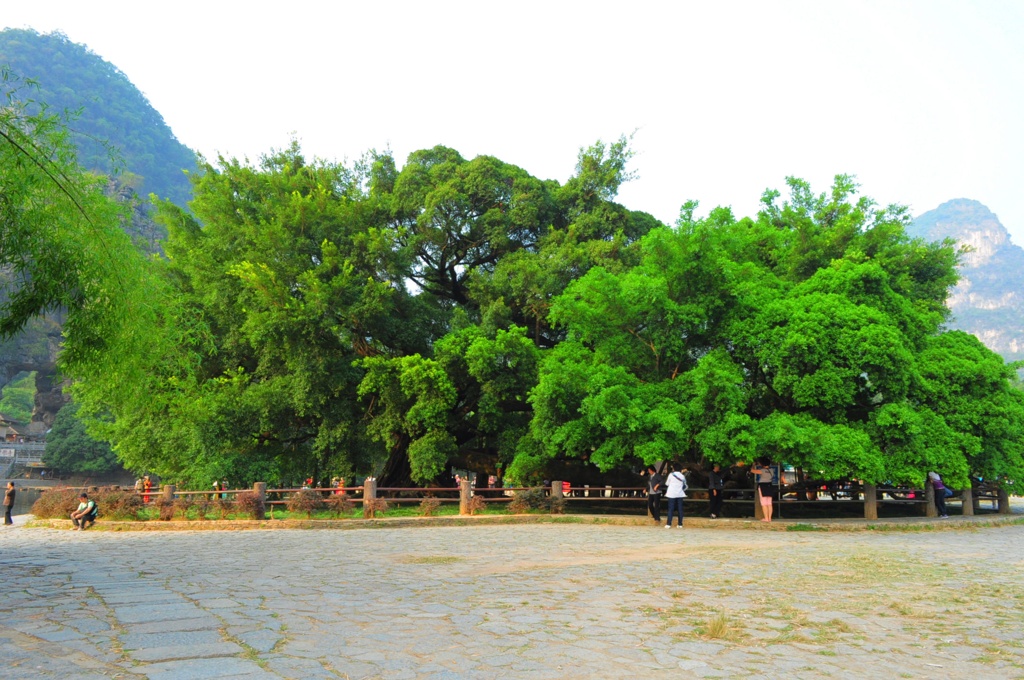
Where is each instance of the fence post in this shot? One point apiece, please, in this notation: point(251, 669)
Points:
point(929, 500)
point(1004, 501)
point(369, 495)
point(967, 501)
point(758, 510)
point(870, 501)
point(556, 488)
point(465, 493)
point(168, 490)
point(260, 489)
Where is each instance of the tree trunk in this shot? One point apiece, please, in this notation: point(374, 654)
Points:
point(397, 472)
point(870, 502)
point(967, 501)
point(1004, 501)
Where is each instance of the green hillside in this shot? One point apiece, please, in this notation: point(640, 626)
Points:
point(71, 77)
point(17, 398)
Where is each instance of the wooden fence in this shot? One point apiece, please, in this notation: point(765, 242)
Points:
point(634, 498)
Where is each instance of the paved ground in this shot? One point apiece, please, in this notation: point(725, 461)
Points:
point(515, 601)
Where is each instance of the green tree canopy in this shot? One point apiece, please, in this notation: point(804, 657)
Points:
point(70, 449)
point(316, 318)
point(800, 336)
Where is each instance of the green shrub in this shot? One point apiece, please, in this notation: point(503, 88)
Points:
point(374, 506)
point(113, 502)
point(220, 507)
point(250, 503)
point(340, 504)
point(556, 506)
point(429, 506)
point(535, 499)
point(307, 501)
point(118, 504)
point(202, 507)
point(477, 504)
point(182, 504)
point(165, 508)
point(55, 503)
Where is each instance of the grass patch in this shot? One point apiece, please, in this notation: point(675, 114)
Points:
point(719, 627)
point(804, 527)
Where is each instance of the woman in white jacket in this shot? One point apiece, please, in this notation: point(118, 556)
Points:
point(675, 493)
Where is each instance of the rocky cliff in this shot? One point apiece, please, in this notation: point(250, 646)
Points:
point(989, 300)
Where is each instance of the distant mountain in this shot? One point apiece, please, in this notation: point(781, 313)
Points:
point(70, 77)
point(989, 300)
point(112, 110)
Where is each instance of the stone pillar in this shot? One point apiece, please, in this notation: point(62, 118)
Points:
point(369, 494)
point(465, 493)
point(168, 492)
point(929, 500)
point(556, 488)
point(870, 501)
point(1004, 501)
point(967, 501)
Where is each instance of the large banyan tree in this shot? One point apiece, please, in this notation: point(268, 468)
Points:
point(369, 319)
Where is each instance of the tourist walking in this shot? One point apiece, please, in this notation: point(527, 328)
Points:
point(941, 493)
point(654, 490)
point(9, 503)
point(147, 488)
point(763, 471)
point(715, 486)
point(675, 493)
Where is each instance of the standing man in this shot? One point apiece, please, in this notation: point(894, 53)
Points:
point(715, 486)
point(654, 491)
point(8, 504)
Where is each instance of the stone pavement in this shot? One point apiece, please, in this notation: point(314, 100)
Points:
point(522, 601)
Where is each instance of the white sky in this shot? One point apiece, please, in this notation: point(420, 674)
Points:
point(923, 101)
